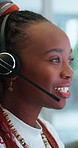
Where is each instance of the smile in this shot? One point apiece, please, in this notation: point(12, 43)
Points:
point(64, 91)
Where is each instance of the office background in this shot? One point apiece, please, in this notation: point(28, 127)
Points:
point(65, 15)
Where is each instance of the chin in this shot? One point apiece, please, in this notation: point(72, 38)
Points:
point(61, 105)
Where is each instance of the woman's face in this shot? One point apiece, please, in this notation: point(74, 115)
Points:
point(47, 61)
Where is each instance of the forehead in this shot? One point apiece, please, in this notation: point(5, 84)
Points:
point(45, 36)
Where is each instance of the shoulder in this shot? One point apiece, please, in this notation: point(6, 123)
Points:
point(50, 127)
point(53, 132)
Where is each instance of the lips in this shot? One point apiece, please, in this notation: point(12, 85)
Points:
point(64, 91)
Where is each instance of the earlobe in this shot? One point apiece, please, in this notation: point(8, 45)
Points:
point(14, 78)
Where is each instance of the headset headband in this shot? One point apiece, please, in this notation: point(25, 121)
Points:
point(8, 60)
point(6, 7)
point(2, 34)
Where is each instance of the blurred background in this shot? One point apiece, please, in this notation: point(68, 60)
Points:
point(65, 15)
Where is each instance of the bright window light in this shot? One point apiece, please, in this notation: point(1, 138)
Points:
point(72, 31)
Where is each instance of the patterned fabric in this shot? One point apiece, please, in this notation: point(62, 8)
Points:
point(32, 135)
point(7, 7)
point(50, 138)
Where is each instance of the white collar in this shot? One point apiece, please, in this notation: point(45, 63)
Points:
point(24, 129)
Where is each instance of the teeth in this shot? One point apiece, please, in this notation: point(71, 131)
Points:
point(62, 89)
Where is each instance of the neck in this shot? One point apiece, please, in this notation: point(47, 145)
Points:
point(26, 112)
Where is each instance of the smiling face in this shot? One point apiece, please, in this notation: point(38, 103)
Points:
point(47, 62)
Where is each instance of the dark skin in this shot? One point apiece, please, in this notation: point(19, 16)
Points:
point(46, 61)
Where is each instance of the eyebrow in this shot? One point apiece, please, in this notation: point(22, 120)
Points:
point(56, 50)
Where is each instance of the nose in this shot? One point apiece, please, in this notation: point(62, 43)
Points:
point(67, 72)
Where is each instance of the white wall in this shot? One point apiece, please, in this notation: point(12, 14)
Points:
point(34, 5)
point(66, 6)
point(58, 6)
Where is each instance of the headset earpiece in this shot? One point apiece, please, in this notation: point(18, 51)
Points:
point(9, 62)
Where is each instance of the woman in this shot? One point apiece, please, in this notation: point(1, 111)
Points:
point(45, 54)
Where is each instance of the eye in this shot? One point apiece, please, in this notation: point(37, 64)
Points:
point(70, 61)
point(55, 60)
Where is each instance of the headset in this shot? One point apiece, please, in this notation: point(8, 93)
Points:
point(10, 63)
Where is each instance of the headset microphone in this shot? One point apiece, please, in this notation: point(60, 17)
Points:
point(10, 63)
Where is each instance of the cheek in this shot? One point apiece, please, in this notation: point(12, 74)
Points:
point(46, 78)
point(40, 73)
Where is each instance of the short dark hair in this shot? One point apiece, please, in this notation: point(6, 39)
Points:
point(15, 22)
